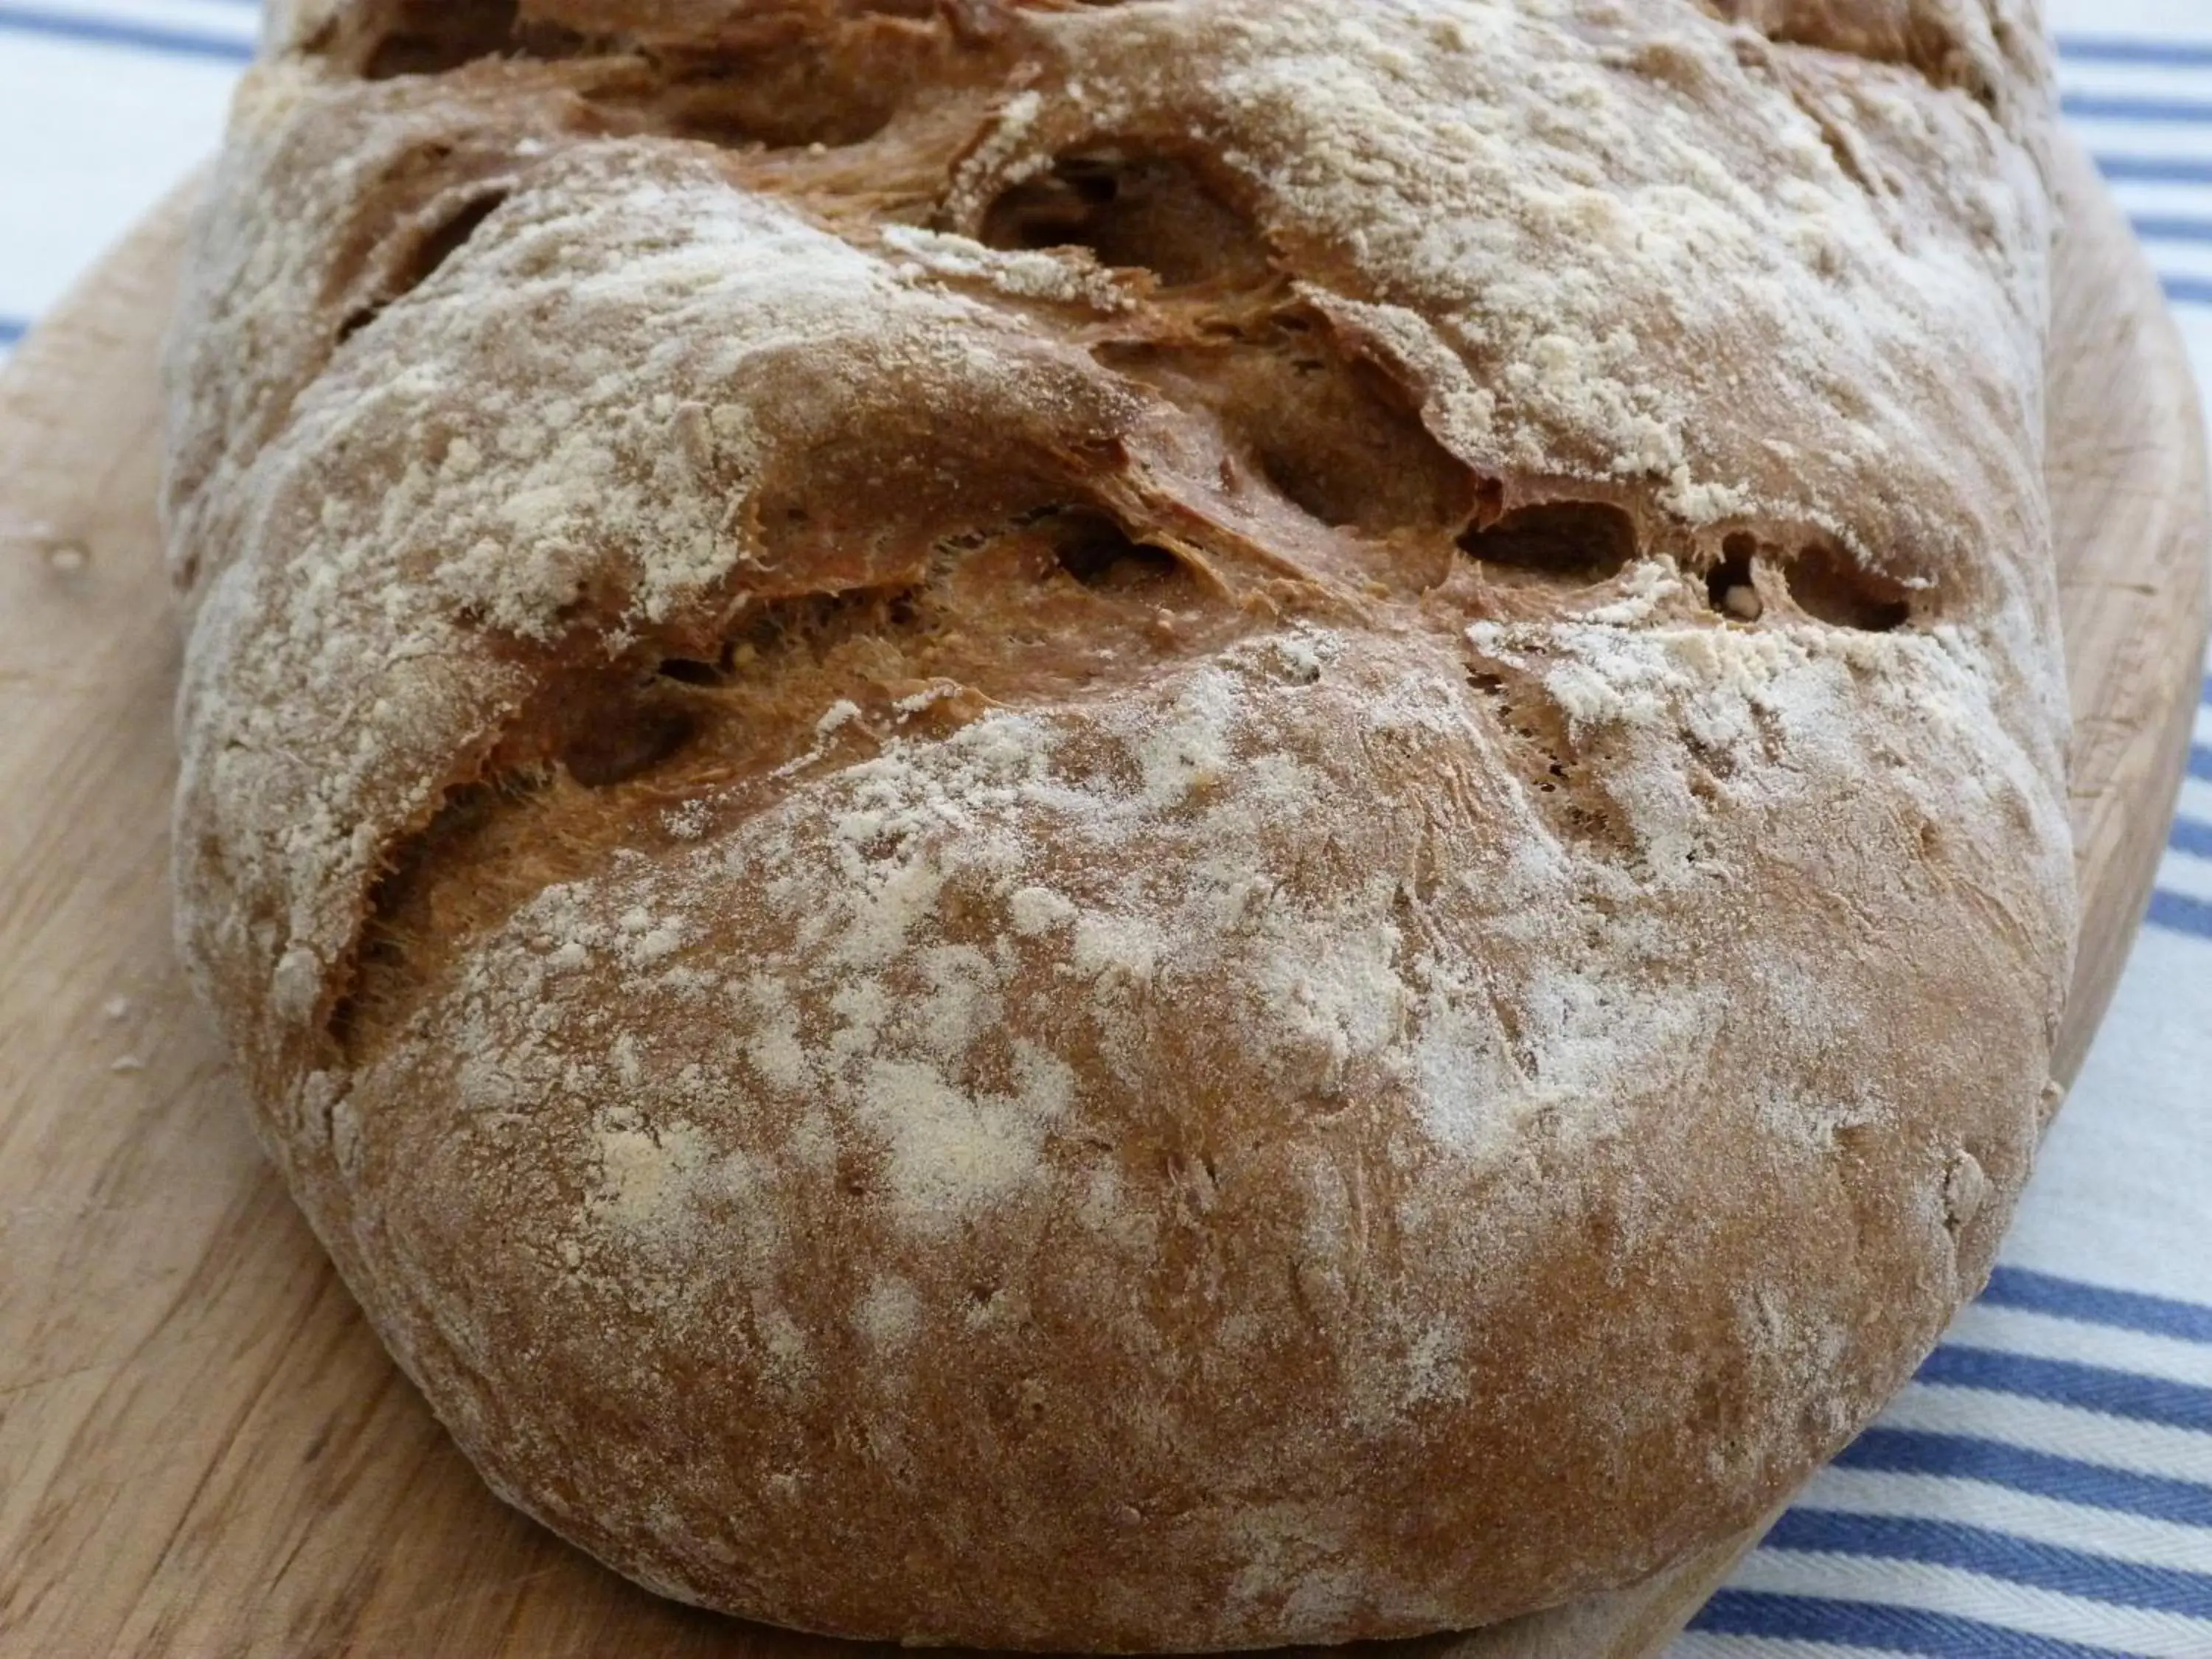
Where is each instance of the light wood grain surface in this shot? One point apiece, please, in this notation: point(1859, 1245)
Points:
point(203, 1448)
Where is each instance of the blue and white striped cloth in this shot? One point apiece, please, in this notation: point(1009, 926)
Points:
point(2044, 1490)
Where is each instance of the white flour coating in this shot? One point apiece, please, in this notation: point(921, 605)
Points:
point(642, 1169)
point(1067, 278)
point(951, 1151)
point(1346, 988)
point(1728, 690)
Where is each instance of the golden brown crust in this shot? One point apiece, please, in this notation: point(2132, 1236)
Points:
point(1181, 825)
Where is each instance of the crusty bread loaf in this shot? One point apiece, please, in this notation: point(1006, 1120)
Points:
point(1175, 824)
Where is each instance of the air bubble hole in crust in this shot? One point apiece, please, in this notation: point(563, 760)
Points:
point(687, 670)
point(1830, 585)
point(383, 940)
point(1133, 211)
point(431, 37)
point(424, 261)
point(1580, 541)
point(787, 92)
point(615, 744)
point(1730, 586)
point(1100, 554)
point(787, 99)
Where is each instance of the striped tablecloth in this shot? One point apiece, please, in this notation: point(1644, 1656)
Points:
point(2044, 1490)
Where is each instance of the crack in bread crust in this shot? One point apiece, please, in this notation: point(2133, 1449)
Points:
point(1155, 826)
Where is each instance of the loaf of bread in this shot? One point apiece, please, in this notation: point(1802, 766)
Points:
point(1131, 826)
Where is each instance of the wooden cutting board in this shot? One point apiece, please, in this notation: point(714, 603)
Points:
point(203, 1448)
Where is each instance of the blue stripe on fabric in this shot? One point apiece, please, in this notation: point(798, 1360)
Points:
point(2200, 761)
point(2067, 1383)
point(12, 330)
point(2208, 691)
point(2153, 227)
point(2155, 170)
point(1993, 1555)
point(2192, 837)
point(2045, 1474)
point(2180, 914)
point(2187, 290)
point(1883, 1628)
point(2095, 107)
point(2095, 1304)
point(137, 37)
point(2112, 49)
